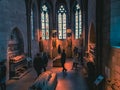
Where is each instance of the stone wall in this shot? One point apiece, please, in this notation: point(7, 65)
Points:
point(115, 22)
point(113, 80)
point(13, 15)
point(91, 13)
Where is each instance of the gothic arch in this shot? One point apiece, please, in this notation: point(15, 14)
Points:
point(48, 4)
point(73, 5)
point(74, 2)
point(91, 34)
point(15, 47)
point(16, 34)
point(50, 10)
point(57, 5)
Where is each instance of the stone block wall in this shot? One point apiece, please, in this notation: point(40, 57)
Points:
point(91, 13)
point(13, 15)
point(115, 22)
point(113, 82)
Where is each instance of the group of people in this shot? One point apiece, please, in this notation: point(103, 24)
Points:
point(78, 57)
point(40, 62)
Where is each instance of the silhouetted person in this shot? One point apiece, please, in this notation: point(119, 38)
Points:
point(63, 59)
point(80, 56)
point(75, 50)
point(2, 76)
point(59, 49)
point(38, 64)
point(75, 62)
point(29, 61)
point(45, 60)
point(41, 48)
point(91, 73)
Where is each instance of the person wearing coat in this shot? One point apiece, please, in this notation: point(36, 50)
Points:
point(38, 64)
point(63, 59)
point(45, 60)
point(59, 49)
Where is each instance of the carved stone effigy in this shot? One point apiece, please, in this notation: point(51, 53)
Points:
point(18, 65)
point(54, 43)
point(54, 50)
point(46, 81)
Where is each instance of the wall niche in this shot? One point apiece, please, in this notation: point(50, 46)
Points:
point(17, 61)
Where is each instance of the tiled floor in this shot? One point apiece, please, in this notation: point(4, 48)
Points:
point(71, 80)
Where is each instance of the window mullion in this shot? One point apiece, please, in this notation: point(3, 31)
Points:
point(62, 25)
point(78, 24)
point(45, 23)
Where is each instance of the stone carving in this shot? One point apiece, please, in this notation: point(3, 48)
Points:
point(54, 43)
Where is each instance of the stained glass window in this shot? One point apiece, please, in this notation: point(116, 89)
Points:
point(61, 23)
point(78, 22)
point(32, 27)
point(45, 22)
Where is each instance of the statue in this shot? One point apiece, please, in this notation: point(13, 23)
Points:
point(69, 41)
point(54, 43)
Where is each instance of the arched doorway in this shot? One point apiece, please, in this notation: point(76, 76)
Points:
point(15, 48)
point(91, 42)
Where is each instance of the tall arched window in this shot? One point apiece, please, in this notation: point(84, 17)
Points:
point(78, 22)
point(61, 23)
point(45, 22)
point(32, 25)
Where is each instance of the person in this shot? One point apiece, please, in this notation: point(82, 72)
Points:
point(2, 76)
point(59, 49)
point(75, 50)
point(75, 62)
point(63, 59)
point(80, 56)
point(38, 64)
point(91, 73)
point(81, 41)
point(45, 60)
point(29, 61)
point(41, 48)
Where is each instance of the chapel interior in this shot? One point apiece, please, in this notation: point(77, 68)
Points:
point(31, 27)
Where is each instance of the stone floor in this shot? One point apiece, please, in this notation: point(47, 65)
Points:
point(71, 80)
